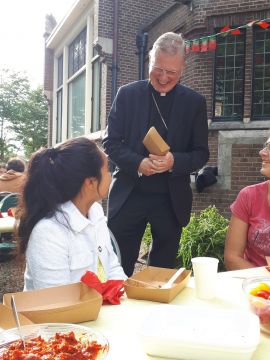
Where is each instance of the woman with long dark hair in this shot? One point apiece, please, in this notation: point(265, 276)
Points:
point(62, 228)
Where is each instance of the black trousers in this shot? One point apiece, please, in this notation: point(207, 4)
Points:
point(129, 224)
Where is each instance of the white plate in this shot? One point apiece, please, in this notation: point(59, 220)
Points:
point(48, 330)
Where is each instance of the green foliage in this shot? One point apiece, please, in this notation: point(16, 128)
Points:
point(23, 115)
point(147, 237)
point(203, 236)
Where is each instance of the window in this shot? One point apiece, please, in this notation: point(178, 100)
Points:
point(59, 99)
point(261, 74)
point(59, 116)
point(229, 77)
point(96, 90)
point(76, 106)
point(77, 53)
point(60, 71)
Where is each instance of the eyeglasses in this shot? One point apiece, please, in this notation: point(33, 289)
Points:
point(160, 71)
point(266, 146)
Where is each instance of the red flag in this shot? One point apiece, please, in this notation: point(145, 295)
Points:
point(195, 45)
point(224, 29)
point(235, 32)
point(263, 24)
point(212, 43)
point(187, 47)
point(204, 45)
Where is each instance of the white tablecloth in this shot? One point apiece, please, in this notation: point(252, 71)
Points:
point(121, 323)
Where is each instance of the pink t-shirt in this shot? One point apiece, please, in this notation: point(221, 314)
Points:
point(251, 206)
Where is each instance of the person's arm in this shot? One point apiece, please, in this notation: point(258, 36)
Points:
point(47, 257)
point(235, 244)
point(190, 161)
point(117, 132)
point(186, 162)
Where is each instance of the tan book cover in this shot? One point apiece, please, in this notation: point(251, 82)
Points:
point(154, 143)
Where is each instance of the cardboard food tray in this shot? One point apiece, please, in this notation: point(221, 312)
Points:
point(155, 277)
point(154, 143)
point(7, 320)
point(67, 303)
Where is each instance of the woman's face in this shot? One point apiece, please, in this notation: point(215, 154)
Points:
point(105, 181)
point(265, 156)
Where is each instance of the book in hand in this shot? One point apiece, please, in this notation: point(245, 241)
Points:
point(154, 143)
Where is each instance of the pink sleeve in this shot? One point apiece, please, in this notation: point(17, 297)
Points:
point(241, 206)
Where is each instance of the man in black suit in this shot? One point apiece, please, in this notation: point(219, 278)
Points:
point(148, 188)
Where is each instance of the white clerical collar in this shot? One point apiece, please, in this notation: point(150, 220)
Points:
point(162, 94)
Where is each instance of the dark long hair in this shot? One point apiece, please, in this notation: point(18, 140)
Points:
point(56, 175)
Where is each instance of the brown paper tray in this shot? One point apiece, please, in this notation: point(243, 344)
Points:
point(7, 320)
point(155, 277)
point(68, 303)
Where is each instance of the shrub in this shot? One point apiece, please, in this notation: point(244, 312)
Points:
point(147, 237)
point(203, 236)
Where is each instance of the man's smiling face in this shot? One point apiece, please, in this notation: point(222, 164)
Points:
point(165, 70)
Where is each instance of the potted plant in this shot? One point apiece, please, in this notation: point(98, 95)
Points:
point(203, 236)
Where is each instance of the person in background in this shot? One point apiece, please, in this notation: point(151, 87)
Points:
point(248, 237)
point(14, 178)
point(148, 188)
point(2, 169)
point(62, 229)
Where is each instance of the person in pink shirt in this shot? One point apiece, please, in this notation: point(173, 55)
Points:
point(248, 237)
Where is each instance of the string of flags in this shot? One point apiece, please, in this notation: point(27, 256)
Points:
point(209, 43)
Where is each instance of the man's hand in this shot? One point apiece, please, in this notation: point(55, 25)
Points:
point(146, 167)
point(163, 163)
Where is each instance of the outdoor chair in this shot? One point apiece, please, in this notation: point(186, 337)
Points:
point(9, 201)
point(7, 245)
point(115, 246)
point(4, 194)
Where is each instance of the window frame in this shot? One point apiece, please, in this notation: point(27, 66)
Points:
point(75, 77)
point(82, 36)
point(257, 117)
point(218, 119)
point(96, 122)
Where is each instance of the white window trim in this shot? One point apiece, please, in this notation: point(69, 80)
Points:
point(85, 21)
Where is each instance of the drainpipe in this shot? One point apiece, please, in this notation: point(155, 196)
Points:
point(141, 39)
point(141, 42)
point(114, 54)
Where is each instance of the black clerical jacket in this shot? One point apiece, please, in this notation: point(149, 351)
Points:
point(187, 136)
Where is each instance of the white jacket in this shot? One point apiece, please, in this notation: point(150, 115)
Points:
point(62, 248)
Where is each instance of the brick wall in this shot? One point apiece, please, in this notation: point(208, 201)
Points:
point(203, 20)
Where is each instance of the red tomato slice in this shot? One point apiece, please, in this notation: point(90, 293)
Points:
point(263, 294)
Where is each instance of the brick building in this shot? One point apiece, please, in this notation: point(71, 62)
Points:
point(103, 44)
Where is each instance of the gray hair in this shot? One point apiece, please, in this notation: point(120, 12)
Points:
point(170, 43)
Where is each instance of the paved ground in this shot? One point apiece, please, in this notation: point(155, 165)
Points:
point(11, 276)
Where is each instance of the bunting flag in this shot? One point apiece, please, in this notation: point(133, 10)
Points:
point(209, 43)
point(212, 44)
point(187, 43)
point(195, 47)
point(263, 24)
point(204, 44)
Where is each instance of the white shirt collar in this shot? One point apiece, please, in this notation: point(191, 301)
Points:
point(76, 219)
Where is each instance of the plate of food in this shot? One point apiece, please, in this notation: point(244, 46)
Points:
point(53, 341)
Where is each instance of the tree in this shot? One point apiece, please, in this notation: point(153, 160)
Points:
point(23, 115)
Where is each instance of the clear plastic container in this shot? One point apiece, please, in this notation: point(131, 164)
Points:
point(180, 332)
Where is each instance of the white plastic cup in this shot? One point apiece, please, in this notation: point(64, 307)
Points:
point(205, 276)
